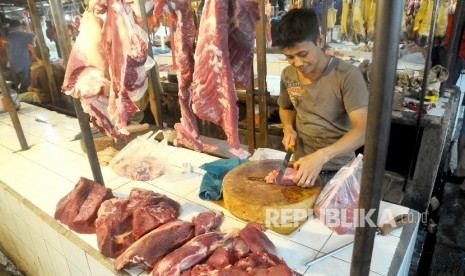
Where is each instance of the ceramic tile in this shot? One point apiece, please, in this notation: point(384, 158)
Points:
point(387, 211)
point(51, 238)
point(47, 199)
point(5, 154)
point(179, 184)
point(313, 234)
point(74, 255)
point(287, 251)
point(337, 241)
point(116, 182)
point(189, 209)
point(76, 271)
point(40, 249)
point(134, 271)
point(97, 269)
point(194, 197)
point(74, 169)
point(10, 140)
point(108, 174)
point(60, 264)
point(331, 266)
point(90, 239)
point(383, 252)
point(22, 230)
point(11, 169)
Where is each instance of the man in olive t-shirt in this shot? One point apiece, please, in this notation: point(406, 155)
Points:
point(323, 100)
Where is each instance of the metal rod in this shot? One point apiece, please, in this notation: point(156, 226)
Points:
point(10, 106)
point(261, 72)
point(43, 50)
point(385, 53)
point(324, 19)
point(455, 39)
point(424, 86)
point(329, 254)
point(83, 118)
point(154, 88)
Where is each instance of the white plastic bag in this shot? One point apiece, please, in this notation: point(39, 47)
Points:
point(144, 158)
point(337, 203)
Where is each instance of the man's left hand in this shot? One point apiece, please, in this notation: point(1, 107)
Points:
point(308, 169)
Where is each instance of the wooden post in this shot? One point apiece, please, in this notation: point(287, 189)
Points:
point(65, 46)
point(261, 71)
point(43, 50)
point(154, 88)
point(250, 113)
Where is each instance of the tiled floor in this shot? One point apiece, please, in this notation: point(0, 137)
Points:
point(49, 169)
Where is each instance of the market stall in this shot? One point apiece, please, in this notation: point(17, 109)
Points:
point(65, 249)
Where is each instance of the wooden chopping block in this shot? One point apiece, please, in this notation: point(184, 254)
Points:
point(101, 141)
point(247, 196)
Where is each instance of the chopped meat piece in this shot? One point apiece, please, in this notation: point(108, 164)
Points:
point(78, 209)
point(257, 241)
point(207, 221)
point(190, 254)
point(150, 217)
point(222, 257)
point(146, 251)
point(287, 180)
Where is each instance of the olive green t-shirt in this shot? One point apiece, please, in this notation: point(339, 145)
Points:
point(322, 107)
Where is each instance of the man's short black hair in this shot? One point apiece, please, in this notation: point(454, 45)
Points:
point(296, 26)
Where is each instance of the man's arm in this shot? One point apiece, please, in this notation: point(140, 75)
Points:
point(287, 117)
point(309, 166)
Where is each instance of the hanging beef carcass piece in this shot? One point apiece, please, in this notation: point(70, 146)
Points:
point(241, 39)
point(106, 65)
point(184, 40)
point(192, 253)
point(78, 209)
point(214, 96)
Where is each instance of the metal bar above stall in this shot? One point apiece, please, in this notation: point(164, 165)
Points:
point(385, 54)
point(83, 118)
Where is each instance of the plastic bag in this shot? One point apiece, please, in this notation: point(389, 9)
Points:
point(144, 158)
point(14, 97)
point(338, 201)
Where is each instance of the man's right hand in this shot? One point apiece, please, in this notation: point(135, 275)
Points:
point(290, 137)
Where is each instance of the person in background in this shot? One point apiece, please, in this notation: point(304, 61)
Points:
point(322, 103)
point(39, 90)
point(18, 52)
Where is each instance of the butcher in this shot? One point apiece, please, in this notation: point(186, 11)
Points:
point(322, 103)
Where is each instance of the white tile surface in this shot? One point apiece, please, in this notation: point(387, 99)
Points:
point(74, 255)
point(98, 269)
point(60, 264)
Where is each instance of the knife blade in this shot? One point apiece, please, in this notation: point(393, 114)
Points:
point(283, 167)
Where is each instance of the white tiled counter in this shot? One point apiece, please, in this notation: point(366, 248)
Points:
point(32, 182)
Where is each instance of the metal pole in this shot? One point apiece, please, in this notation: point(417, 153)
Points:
point(455, 39)
point(83, 118)
point(10, 106)
point(261, 71)
point(424, 86)
point(324, 19)
point(43, 50)
point(154, 81)
point(385, 54)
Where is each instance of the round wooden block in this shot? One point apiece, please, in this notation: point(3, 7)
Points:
point(247, 196)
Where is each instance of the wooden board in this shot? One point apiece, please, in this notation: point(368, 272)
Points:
point(247, 196)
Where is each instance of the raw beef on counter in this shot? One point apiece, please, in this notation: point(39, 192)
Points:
point(150, 248)
point(117, 226)
point(207, 221)
point(192, 253)
point(106, 65)
point(78, 209)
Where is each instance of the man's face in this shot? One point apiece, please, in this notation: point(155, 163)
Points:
point(304, 56)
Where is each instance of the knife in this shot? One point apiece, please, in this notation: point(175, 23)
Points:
point(283, 167)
